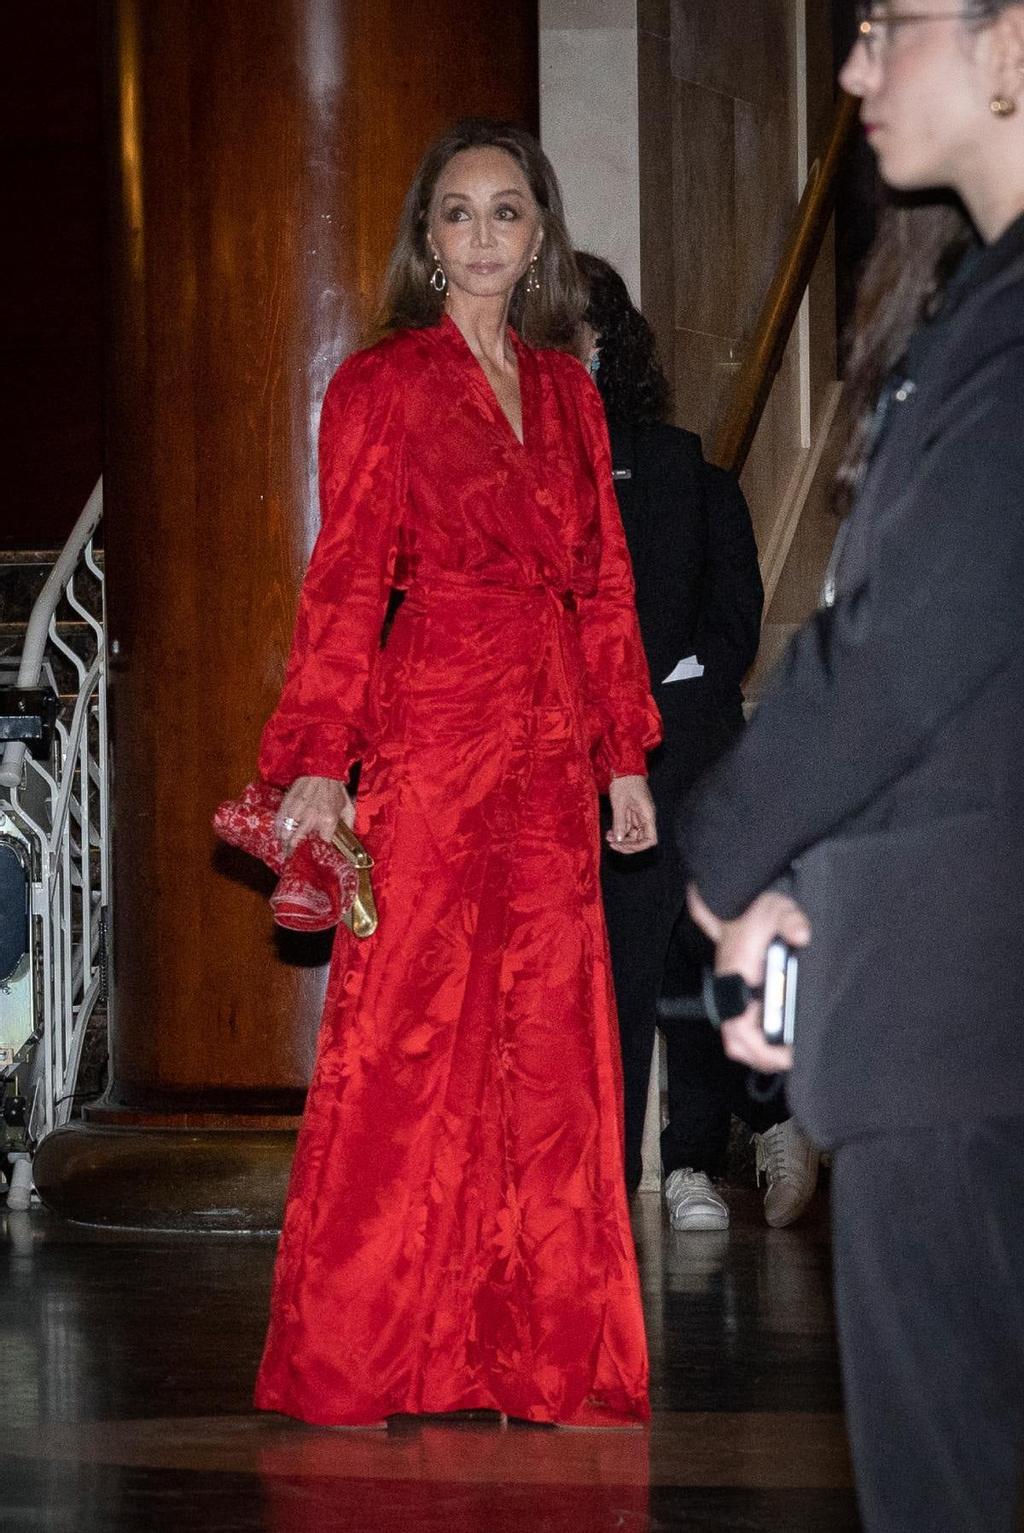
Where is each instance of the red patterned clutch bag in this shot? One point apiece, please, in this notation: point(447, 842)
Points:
point(320, 885)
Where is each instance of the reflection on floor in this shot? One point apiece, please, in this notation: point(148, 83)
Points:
point(128, 1360)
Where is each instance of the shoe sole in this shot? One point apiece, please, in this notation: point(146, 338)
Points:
point(703, 1223)
point(782, 1221)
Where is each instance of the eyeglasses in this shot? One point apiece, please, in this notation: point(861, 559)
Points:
point(877, 33)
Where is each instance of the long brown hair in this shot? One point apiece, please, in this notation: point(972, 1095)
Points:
point(919, 245)
point(546, 317)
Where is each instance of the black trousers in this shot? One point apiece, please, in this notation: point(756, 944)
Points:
point(654, 945)
point(929, 1277)
point(643, 896)
point(705, 1088)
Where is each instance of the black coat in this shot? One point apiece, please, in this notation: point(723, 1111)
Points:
point(885, 769)
point(698, 591)
point(698, 588)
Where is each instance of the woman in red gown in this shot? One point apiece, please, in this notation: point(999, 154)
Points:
point(456, 1235)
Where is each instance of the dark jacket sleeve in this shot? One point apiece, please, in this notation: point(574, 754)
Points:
point(867, 685)
point(625, 720)
point(729, 623)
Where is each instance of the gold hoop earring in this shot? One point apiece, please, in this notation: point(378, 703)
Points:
point(438, 280)
point(532, 277)
point(1002, 106)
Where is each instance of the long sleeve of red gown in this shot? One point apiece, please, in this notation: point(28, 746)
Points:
point(318, 728)
point(623, 712)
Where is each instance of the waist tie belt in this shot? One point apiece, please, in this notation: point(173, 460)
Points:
point(422, 591)
point(426, 592)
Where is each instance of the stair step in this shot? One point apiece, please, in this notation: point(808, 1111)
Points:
point(30, 558)
point(69, 626)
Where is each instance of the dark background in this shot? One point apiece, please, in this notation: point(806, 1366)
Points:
point(51, 321)
point(858, 186)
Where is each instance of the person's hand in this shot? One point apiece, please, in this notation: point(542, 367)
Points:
point(740, 948)
point(633, 817)
point(312, 807)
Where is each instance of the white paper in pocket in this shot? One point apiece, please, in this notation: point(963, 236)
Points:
point(687, 670)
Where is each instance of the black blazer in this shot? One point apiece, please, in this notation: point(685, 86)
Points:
point(698, 587)
point(884, 771)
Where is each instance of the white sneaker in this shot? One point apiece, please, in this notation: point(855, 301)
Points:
point(693, 1204)
point(789, 1164)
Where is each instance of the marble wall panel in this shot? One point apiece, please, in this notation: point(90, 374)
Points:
point(587, 15)
point(776, 452)
point(655, 17)
point(704, 208)
point(702, 367)
point(589, 127)
point(657, 235)
point(765, 199)
point(741, 48)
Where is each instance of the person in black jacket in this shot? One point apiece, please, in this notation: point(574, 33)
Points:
point(699, 598)
point(873, 813)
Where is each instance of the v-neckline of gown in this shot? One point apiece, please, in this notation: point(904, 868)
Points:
point(484, 383)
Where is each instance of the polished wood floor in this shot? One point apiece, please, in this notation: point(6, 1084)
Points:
point(128, 1360)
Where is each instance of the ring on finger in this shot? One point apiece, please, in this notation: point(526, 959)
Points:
point(288, 824)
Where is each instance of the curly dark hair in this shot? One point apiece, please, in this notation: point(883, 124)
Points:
point(630, 378)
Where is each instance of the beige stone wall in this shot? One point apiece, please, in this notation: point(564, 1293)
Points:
point(589, 124)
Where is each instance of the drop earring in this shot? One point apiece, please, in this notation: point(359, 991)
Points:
point(532, 277)
point(438, 280)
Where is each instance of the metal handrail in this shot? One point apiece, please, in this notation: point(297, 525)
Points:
point(12, 764)
point(779, 311)
point(57, 809)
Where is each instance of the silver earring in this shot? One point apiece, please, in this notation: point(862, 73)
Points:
point(1002, 106)
point(438, 280)
point(532, 277)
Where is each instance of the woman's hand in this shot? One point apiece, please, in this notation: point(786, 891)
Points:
point(740, 948)
point(312, 807)
point(633, 817)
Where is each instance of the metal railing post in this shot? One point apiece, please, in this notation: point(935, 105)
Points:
point(61, 811)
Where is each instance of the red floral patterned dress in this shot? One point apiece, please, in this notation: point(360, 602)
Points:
point(456, 1234)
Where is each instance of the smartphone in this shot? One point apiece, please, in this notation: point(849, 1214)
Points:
point(778, 1014)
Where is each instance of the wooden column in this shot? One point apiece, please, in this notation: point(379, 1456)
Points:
point(258, 156)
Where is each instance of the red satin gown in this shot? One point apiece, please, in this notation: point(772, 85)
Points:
point(456, 1234)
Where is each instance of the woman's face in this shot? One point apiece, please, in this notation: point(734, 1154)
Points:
point(484, 225)
point(925, 84)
